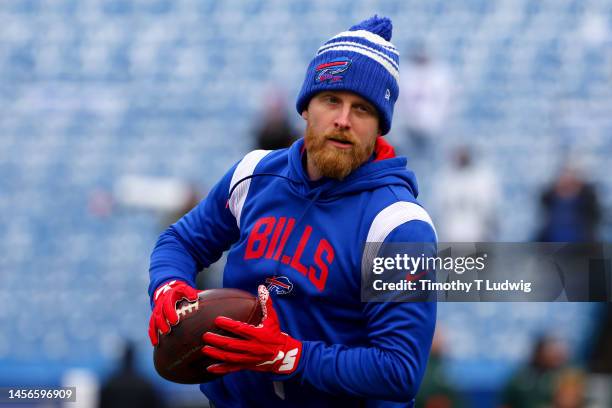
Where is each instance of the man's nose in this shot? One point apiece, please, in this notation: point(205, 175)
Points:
point(342, 120)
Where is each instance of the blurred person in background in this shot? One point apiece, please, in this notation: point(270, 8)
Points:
point(275, 130)
point(570, 390)
point(601, 358)
point(571, 214)
point(571, 208)
point(467, 196)
point(190, 200)
point(127, 388)
point(436, 390)
point(169, 197)
point(534, 385)
point(302, 214)
point(425, 97)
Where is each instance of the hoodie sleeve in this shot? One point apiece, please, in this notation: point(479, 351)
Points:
point(197, 240)
point(391, 367)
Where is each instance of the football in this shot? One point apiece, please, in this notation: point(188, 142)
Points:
point(177, 356)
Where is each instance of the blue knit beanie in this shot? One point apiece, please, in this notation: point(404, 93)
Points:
point(360, 60)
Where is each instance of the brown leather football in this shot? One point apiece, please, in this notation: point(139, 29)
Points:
point(177, 356)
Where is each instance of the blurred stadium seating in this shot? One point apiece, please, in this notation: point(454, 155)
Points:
point(91, 90)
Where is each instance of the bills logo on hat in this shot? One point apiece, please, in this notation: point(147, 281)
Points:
point(332, 71)
point(281, 285)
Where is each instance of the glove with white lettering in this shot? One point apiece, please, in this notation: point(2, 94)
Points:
point(260, 348)
point(164, 312)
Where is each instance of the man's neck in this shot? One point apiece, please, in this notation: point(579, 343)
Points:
point(311, 170)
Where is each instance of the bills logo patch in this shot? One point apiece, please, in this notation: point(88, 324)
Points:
point(281, 285)
point(333, 71)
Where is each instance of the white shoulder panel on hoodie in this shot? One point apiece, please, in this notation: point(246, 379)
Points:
point(245, 168)
point(386, 221)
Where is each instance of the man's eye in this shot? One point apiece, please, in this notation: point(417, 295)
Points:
point(332, 99)
point(363, 108)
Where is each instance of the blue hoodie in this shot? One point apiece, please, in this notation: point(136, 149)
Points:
point(305, 241)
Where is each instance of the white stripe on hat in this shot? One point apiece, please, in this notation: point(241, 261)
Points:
point(324, 47)
point(375, 56)
point(375, 38)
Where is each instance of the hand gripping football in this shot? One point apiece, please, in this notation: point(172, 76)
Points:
point(178, 355)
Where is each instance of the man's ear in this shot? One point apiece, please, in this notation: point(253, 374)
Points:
point(305, 114)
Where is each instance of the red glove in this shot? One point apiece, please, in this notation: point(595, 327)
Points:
point(261, 348)
point(164, 313)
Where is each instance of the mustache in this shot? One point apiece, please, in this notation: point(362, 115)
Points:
point(340, 136)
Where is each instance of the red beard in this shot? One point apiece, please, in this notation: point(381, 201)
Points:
point(335, 162)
